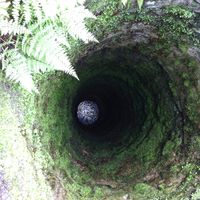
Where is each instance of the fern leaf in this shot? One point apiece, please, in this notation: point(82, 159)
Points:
point(124, 2)
point(17, 70)
point(4, 9)
point(70, 4)
point(140, 3)
point(10, 27)
point(16, 10)
point(74, 20)
point(65, 5)
point(27, 11)
point(37, 10)
point(44, 47)
point(1, 57)
point(81, 2)
point(37, 66)
point(61, 36)
point(50, 8)
point(50, 23)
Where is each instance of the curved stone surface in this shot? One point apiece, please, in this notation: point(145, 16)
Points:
point(4, 194)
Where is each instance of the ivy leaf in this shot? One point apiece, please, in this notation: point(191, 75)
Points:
point(140, 3)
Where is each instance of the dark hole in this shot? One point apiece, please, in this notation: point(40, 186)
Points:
point(117, 113)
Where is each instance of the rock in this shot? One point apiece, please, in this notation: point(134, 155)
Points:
point(150, 4)
point(109, 183)
point(4, 195)
point(197, 11)
point(125, 197)
point(194, 52)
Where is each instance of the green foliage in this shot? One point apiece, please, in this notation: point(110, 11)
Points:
point(111, 18)
point(124, 2)
point(22, 159)
point(176, 23)
point(21, 73)
point(142, 191)
point(179, 12)
point(140, 3)
point(7, 25)
point(42, 30)
point(168, 148)
point(191, 170)
point(52, 116)
point(196, 194)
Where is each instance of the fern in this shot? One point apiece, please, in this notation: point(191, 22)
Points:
point(124, 2)
point(43, 45)
point(26, 66)
point(27, 10)
point(62, 37)
point(21, 73)
point(11, 27)
point(140, 3)
point(75, 23)
point(3, 9)
point(37, 10)
point(40, 26)
point(16, 10)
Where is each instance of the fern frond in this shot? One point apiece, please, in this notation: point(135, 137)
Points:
point(44, 47)
point(17, 70)
point(81, 2)
point(1, 54)
point(10, 27)
point(37, 9)
point(73, 19)
point(16, 10)
point(124, 2)
point(140, 3)
point(27, 10)
point(4, 9)
point(50, 23)
point(62, 36)
point(20, 67)
point(50, 8)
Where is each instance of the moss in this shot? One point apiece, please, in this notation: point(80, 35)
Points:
point(195, 145)
point(172, 27)
point(176, 23)
point(190, 168)
point(168, 148)
point(196, 194)
point(193, 104)
point(142, 191)
point(182, 179)
point(110, 18)
point(148, 150)
point(180, 12)
point(48, 120)
point(54, 118)
point(79, 191)
point(22, 157)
